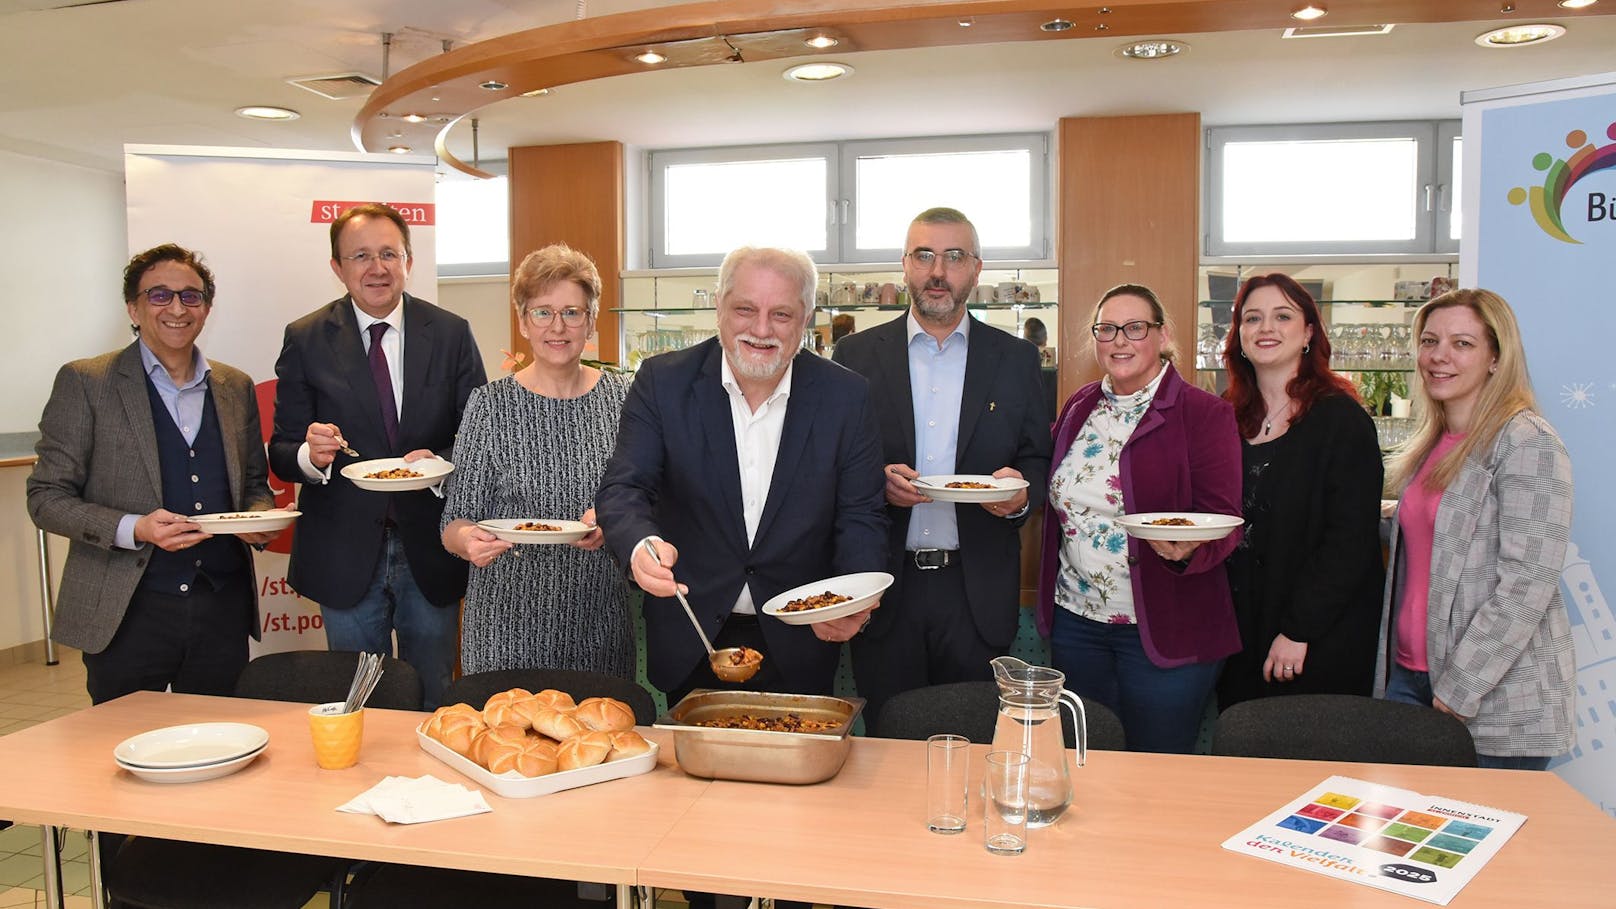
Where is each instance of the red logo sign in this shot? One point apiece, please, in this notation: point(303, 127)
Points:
point(416, 214)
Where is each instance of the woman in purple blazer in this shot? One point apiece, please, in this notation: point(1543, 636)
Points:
point(1140, 626)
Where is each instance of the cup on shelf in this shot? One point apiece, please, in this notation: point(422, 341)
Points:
point(947, 763)
point(1004, 811)
point(337, 735)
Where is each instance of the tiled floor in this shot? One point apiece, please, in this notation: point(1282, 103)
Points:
point(32, 693)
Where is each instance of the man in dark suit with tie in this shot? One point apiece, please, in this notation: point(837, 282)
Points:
point(954, 396)
point(133, 444)
point(385, 374)
point(753, 466)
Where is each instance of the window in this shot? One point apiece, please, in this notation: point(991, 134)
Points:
point(1332, 189)
point(847, 202)
point(473, 228)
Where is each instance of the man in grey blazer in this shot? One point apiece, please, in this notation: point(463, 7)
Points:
point(133, 444)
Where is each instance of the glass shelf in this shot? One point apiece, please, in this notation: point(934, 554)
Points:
point(860, 307)
point(1409, 304)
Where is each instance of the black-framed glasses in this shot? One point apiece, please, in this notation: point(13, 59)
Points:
point(1133, 331)
point(544, 317)
point(162, 296)
point(364, 257)
point(925, 258)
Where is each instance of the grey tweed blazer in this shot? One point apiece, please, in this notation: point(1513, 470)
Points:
point(1497, 638)
point(98, 462)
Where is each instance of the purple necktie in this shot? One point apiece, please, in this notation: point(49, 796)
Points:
point(384, 384)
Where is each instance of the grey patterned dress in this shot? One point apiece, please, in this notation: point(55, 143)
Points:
point(522, 455)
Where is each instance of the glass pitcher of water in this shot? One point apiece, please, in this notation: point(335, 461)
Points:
point(1030, 698)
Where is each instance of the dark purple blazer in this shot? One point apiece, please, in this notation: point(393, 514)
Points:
point(1183, 456)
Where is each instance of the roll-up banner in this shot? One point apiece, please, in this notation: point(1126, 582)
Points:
point(1539, 228)
point(261, 219)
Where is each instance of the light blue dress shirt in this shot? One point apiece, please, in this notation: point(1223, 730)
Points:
point(184, 405)
point(936, 385)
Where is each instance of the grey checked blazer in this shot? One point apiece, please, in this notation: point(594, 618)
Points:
point(1498, 642)
point(98, 462)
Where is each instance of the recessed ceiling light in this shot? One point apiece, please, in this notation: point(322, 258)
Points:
point(1577, 4)
point(967, 22)
point(493, 85)
point(263, 112)
point(1155, 49)
point(1520, 35)
point(817, 72)
point(821, 42)
point(414, 118)
point(1057, 25)
point(399, 149)
point(1309, 12)
point(651, 58)
point(536, 93)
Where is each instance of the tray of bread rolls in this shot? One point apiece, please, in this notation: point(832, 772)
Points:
point(523, 744)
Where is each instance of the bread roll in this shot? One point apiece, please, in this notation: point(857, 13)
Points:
point(556, 699)
point(455, 729)
point(584, 750)
point(499, 711)
point(605, 714)
point(557, 725)
point(627, 744)
point(530, 757)
point(495, 735)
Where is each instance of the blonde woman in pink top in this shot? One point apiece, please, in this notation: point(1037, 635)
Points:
point(1475, 626)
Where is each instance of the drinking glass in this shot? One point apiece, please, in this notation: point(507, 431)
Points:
point(1004, 822)
point(947, 761)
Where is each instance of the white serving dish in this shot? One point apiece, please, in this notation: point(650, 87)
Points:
point(193, 745)
point(513, 785)
point(193, 774)
point(936, 487)
point(432, 471)
point(864, 587)
point(1206, 527)
point(246, 521)
point(504, 528)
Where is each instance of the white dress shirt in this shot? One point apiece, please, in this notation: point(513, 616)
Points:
point(393, 347)
point(757, 443)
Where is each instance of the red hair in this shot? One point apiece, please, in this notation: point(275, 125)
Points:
point(1313, 379)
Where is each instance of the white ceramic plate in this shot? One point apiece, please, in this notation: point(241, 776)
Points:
point(431, 471)
point(1206, 526)
point(195, 745)
point(504, 529)
point(864, 588)
point(513, 785)
point(193, 774)
point(246, 521)
point(936, 487)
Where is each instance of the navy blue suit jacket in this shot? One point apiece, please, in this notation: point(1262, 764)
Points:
point(675, 474)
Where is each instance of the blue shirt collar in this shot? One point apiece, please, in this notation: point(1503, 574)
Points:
point(155, 368)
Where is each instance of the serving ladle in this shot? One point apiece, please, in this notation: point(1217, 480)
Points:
point(730, 664)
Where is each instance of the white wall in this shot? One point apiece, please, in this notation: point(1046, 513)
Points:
point(485, 303)
point(62, 230)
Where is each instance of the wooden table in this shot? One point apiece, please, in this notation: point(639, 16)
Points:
point(61, 773)
point(1145, 830)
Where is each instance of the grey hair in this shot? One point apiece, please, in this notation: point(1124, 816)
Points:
point(788, 263)
point(942, 215)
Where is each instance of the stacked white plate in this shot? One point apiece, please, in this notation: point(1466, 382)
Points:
point(191, 753)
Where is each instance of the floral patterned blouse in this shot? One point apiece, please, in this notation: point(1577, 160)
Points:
point(1086, 492)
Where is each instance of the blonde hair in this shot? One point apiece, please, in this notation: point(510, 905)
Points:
point(555, 264)
point(1506, 392)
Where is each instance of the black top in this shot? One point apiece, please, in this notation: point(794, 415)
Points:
point(1310, 565)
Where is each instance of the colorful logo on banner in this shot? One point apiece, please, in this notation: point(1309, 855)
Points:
point(1559, 175)
point(416, 214)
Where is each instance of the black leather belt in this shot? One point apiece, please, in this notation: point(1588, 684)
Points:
point(933, 559)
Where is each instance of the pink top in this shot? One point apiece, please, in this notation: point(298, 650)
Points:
point(1416, 519)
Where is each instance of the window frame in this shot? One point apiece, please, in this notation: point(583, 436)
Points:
point(500, 169)
point(1433, 179)
point(841, 202)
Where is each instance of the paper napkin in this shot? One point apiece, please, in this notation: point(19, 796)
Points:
point(403, 800)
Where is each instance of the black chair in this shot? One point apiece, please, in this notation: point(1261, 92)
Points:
point(151, 873)
point(405, 886)
point(1343, 727)
point(475, 689)
point(971, 709)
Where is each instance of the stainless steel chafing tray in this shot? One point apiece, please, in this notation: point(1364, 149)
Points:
point(758, 755)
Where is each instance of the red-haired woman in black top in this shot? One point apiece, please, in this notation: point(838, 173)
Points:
point(1307, 576)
